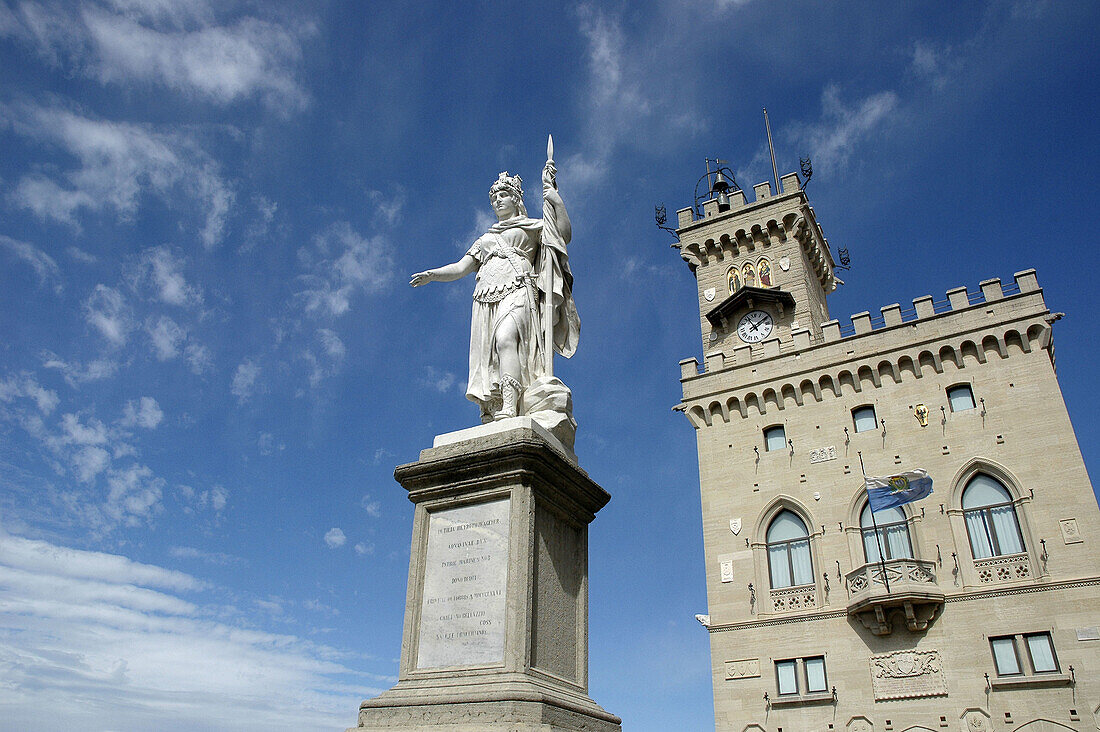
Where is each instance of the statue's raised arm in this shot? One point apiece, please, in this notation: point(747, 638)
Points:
point(523, 309)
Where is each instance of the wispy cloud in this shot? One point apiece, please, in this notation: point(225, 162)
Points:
point(106, 311)
point(188, 47)
point(43, 264)
point(832, 140)
point(145, 413)
point(25, 385)
point(135, 637)
point(77, 373)
point(118, 161)
point(371, 506)
point(244, 381)
point(160, 271)
point(166, 337)
point(340, 264)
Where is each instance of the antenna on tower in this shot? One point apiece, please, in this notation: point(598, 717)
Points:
point(771, 148)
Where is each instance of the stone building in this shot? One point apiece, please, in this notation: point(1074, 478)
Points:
point(990, 617)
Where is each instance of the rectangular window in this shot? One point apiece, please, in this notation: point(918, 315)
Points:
point(775, 438)
point(961, 398)
point(786, 674)
point(1004, 656)
point(796, 676)
point(815, 674)
point(1040, 650)
point(864, 419)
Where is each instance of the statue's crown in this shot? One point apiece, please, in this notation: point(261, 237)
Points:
point(513, 183)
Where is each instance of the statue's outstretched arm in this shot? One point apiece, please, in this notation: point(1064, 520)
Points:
point(455, 271)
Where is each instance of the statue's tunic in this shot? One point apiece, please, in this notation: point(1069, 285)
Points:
point(504, 289)
point(507, 289)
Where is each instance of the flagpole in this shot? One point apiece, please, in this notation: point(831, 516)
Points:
point(878, 537)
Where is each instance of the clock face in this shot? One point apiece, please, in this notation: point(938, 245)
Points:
point(755, 326)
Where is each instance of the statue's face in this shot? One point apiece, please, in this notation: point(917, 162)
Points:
point(504, 205)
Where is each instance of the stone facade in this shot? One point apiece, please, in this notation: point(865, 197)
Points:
point(916, 655)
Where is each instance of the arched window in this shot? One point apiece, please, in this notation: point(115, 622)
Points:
point(990, 518)
point(864, 418)
point(789, 562)
point(893, 534)
point(775, 438)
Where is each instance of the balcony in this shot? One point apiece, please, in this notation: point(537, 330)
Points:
point(912, 591)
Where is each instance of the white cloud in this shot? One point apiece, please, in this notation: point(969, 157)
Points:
point(334, 347)
point(371, 506)
point(25, 385)
point(143, 413)
point(334, 538)
point(832, 140)
point(133, 642)
point(161, 270)
point(441, 381)
point(363, 549)
point(182, 46)
point(43, 264)
point(216, 498)
point(133, 495)
point(106, 311)
point(189, 552)
point(76, 373)
point(244, 381)
point(166, 336)
point(267, 444)
point(198, 358)
point(118, 162)
point(340, 264)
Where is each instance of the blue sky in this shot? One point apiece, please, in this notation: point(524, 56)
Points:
point(210, 360)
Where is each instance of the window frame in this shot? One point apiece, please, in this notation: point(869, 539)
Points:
point(1016, 654)
point(793, 663)
point(865, 531)
point(874, 418)
point(788, 553)
point(770, 429)
point(1031, 658)
point(970, 390)
point(801, 678)
point(988, 524)
point(824, 675)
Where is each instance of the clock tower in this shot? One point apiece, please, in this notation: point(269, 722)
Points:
point(763, 267)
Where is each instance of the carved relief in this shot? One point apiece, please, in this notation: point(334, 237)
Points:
point(1070, 533)
point(907, 674)
point(860, 724)
point(976, 720)
point(745, 668)
point(1003, 569)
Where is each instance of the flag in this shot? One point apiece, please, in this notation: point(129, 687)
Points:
point(897, 490)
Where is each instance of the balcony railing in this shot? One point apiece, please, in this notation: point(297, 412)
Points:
point(877, 589)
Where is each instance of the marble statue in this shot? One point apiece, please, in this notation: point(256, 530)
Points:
point(523, 309)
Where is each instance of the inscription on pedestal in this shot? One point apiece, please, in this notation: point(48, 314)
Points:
point(462, 616)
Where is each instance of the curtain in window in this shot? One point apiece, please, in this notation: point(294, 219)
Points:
point(780, 568)
point(981, 542)
point(864, 419)
point(775, 439)
point(1042, 655)
point(800, 560)
point(785, 671)
point(893, 534)
point(1008, 531)
point(815, 674)
point(1004, 655)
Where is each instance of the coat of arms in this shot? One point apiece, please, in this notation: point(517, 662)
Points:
point(735, 526)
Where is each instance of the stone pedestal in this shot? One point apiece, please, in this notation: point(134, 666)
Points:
point(496, 617)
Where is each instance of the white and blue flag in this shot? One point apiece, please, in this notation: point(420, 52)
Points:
point(897, 490)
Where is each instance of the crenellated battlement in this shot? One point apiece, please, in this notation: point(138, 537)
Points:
point(762, 192)
point(869, 349)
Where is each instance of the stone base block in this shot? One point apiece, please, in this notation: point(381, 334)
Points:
point(512, 702)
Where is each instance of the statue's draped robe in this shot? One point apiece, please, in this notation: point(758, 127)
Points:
point(516, 259)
